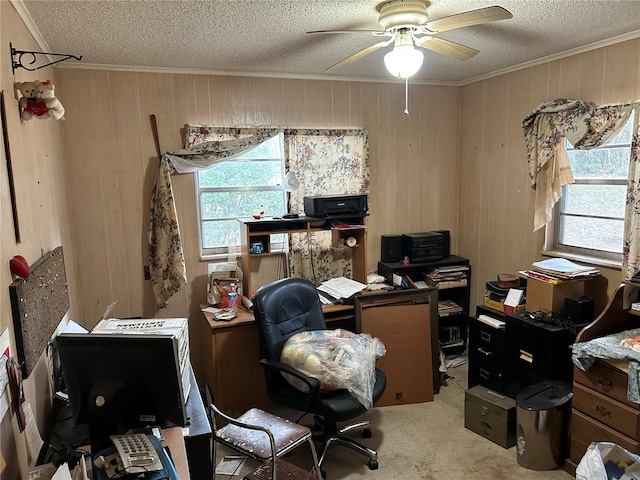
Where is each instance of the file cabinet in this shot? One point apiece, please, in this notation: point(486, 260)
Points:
point(487, 352)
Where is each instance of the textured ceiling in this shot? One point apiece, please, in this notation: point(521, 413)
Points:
point(268, 37)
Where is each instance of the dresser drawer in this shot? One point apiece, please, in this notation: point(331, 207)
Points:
point(585, 430)
point(606, 379)
point(612, 413)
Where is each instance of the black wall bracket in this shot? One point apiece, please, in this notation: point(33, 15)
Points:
point(17, 59)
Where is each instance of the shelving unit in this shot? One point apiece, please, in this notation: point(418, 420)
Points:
point(450, 342)
point(261, 230)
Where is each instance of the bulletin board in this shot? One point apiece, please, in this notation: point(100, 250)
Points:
point(38, 304)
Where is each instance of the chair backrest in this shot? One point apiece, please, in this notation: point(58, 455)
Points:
point(284, 308)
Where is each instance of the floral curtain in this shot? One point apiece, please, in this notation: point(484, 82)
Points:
point(545, 130)
point(631, 247)
point(325, 162)
point(204, 147)
point(586, 127)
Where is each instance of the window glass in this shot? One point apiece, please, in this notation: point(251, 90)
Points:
point(235, 189)
point(589, 218)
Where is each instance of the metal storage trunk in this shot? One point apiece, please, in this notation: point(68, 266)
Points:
point(491, 415)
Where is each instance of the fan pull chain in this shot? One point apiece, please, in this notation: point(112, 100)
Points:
point(406, 95)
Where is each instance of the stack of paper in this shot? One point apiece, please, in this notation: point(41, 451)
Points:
point(561, 268)
point(341, 287)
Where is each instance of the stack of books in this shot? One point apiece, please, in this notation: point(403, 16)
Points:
point(448, 277)
point(447, 308)
point(559, 270)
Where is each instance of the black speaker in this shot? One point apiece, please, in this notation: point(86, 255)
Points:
point(446, 242)
point(391, 248)
point(579, 310)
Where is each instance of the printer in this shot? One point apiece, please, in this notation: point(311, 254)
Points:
point(323, 206)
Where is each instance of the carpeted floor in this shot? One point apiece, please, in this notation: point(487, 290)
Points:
point(425, 441)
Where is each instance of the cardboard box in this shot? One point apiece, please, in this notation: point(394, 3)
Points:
point(501, 307)
point(550, 297)
point(491, 415)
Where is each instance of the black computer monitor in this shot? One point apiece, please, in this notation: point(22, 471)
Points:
point(118, 382)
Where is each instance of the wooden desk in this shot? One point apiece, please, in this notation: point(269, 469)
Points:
point(232, 367)
point(175, 443)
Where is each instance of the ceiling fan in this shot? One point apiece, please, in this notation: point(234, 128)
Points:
point(406, 23)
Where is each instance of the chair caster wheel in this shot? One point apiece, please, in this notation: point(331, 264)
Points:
point(373, 464)
point(366, 433)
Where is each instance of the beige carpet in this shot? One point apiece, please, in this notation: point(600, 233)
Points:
point(425, 441)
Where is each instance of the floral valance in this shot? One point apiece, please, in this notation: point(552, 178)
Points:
point(326, 161)
point(545, 130)
point(166, 257)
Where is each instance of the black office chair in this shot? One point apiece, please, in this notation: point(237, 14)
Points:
point(286, 307)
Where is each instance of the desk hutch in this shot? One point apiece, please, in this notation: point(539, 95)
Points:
point(261, 230)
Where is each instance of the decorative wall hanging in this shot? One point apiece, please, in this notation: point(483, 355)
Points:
point(7, 155)
point(39, 101)
point(17, 58)
point(38, 304)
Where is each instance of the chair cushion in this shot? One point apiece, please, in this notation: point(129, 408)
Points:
point(256, 442)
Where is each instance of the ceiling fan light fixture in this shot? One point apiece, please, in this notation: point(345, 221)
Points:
point(403, 61)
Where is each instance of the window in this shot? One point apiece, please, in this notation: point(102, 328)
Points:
point(589, 218)
point(236, 188)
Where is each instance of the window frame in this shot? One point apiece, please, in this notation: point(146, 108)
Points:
point(223, 251)
point(552, 247)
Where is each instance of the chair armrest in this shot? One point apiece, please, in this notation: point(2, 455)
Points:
point(312, 383)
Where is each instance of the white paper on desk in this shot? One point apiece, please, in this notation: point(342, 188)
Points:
point(34, 440)
point(324, 300)
point(377, 286)
point(211, 309)
point(341, 287)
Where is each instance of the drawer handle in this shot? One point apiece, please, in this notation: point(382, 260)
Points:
point(484, 374)
point(603, 411)
point(485, 336)
point(484, 352)
point(605, 384)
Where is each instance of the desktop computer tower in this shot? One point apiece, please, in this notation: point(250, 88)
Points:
point(391, 248)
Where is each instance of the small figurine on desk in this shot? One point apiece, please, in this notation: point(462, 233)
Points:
point(405, 260)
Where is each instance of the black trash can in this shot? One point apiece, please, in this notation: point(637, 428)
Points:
point(542, 432)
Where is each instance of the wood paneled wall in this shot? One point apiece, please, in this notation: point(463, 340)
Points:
point(496, 201)
point(39, 175)
point(112, 165)
point(457, 162)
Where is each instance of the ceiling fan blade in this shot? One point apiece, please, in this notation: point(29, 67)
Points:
point(360, 54)
point(370, 32)
point(446, 47)
point(467, 19)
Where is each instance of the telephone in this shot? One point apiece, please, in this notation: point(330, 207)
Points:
point(133, 455)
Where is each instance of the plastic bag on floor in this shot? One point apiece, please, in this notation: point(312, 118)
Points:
point(606, 461)
point(337, 358)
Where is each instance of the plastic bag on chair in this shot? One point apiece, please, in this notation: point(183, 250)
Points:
point(606, 460)
point(337, 358)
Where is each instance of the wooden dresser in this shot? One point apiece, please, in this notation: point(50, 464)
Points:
point(600, 408)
